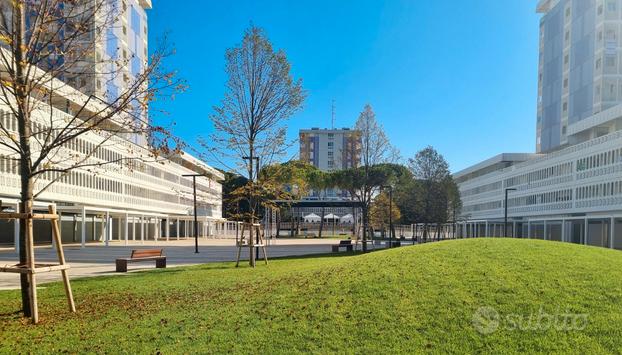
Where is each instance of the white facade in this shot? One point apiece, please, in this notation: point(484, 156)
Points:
point(573, 192)
point(140, 197)
point(148, 193)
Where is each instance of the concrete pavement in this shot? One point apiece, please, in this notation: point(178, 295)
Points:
point(97, 259)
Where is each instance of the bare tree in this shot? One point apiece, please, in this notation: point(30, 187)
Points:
point(364, 182)
point(48, 61)
point(261, 95)
point(375, 145)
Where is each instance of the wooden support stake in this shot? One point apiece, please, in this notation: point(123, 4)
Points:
point(61, 258)
point(262, 241)
point(251, 246)
point(240, 243)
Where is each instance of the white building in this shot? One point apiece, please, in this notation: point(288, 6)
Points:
point(147, 199)
point(572, 189)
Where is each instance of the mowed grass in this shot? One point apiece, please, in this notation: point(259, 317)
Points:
point(409, 299)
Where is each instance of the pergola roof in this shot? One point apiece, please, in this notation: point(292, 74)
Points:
point(317, 203)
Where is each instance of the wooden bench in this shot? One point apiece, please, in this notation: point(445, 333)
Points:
point(347, 243)
point(139, 255)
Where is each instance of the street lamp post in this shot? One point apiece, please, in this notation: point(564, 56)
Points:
point(250, 203)
point(390, 188)
point(505, 219)
point(196, 222)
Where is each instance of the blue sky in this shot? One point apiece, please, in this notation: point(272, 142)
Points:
point(458, 75)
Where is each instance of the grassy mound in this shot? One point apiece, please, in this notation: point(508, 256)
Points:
point(477, 295)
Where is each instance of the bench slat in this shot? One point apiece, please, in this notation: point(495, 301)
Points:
point(145, 253)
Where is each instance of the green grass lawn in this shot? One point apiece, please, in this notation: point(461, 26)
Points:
point(409, 299)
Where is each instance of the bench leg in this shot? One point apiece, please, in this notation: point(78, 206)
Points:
point(121, 265)
point(160, 263)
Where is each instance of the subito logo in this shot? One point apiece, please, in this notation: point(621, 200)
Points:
point(485, 320)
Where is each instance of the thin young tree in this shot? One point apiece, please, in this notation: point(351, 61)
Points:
point(48, 53)
point(261, 95)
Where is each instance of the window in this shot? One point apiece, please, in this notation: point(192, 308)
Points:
point(565, 83)
point(124, 30)
point(331, 144)
point(598, 61)
point(568, 12)
point(565, 107)
point(600, 9)
point(566, 59)
point(567, 36)
point(611, 6)
point(610, 35)
point(563, 129)
point(610, 61)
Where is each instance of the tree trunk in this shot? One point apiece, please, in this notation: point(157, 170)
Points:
point(24, 129)
point(26, 199)
point(365, 227)
point(322, 222)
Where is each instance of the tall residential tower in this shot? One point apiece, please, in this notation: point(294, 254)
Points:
point(580, 73)
point(330, 149)
point(571, 188)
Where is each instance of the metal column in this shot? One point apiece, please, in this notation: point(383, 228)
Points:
point(83, 229)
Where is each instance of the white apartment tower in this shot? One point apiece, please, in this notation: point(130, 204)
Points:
point(571, 188)
point(580, 68)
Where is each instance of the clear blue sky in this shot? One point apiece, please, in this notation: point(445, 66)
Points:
point(458, 75)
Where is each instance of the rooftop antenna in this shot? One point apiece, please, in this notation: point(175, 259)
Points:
point(332, 121)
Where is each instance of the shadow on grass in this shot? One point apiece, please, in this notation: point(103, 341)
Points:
point(220, 265)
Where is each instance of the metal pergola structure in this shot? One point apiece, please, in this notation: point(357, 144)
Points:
point(293, 204)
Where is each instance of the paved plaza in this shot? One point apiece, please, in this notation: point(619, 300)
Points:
point(97, 259)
